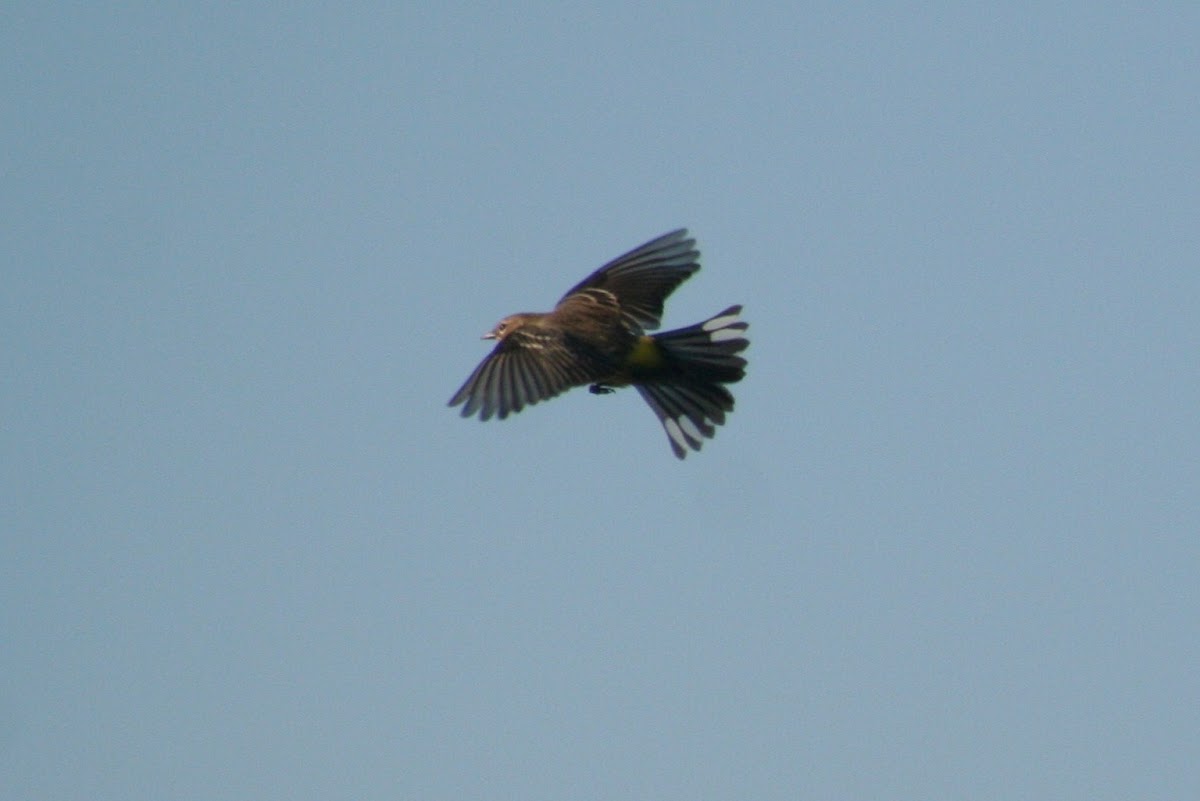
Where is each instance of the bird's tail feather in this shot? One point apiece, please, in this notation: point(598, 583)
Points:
point(688, 395)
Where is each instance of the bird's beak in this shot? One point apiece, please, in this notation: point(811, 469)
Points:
point(489, 335)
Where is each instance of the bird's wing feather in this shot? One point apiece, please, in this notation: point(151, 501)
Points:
point(527, 366)
point(643, 278)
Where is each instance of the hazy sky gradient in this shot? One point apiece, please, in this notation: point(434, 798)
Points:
point(945, 548)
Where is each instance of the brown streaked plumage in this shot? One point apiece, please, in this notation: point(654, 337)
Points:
point(596, 335)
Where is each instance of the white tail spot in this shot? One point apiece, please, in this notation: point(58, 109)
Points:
point(689, 428)
point(719, 322)
point(725, 334)
point(675, 433)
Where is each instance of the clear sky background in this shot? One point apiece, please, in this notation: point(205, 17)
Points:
point(945, 548)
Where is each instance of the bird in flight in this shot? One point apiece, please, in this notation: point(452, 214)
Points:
point(596, 336)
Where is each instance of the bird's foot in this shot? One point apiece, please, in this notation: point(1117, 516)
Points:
point(600, 389)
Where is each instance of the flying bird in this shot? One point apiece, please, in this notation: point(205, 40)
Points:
point(596, 336)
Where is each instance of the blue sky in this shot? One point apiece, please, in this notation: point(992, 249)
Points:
point(944, 548)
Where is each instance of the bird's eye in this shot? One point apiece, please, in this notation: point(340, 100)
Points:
point(500, 328)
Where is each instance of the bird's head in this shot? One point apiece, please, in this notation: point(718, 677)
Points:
point(507, 326)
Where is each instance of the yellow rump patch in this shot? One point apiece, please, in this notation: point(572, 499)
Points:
point(646, 355)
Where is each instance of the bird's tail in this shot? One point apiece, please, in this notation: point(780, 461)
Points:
point(687, 392)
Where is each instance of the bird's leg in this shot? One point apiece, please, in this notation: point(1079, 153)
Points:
point(600, 389)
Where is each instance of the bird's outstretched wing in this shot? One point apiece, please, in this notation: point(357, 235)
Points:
point(642, 278)
point(529, 365)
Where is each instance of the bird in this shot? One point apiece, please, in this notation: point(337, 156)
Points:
point(596, 336)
